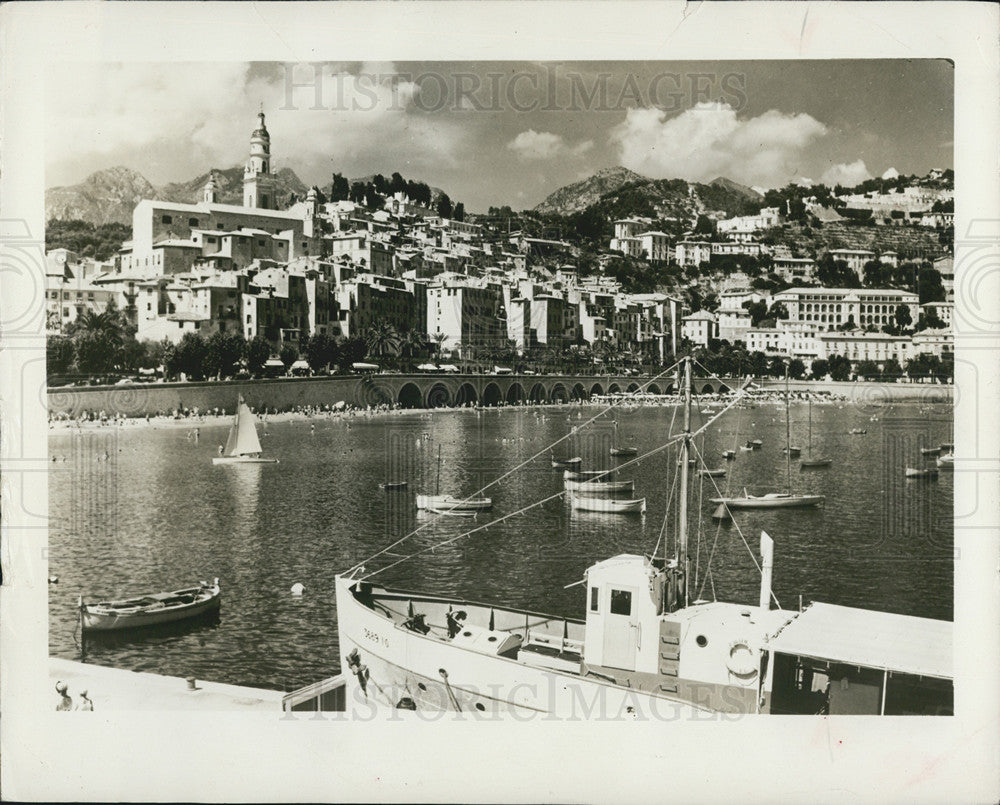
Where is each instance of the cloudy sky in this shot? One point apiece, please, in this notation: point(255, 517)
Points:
point(507, 133)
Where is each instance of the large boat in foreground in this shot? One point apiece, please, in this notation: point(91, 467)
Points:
point(641, 646)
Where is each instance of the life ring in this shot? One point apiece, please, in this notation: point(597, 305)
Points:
point(743, 659)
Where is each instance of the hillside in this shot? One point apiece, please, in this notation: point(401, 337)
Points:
point(619, 192)
point(909, 242)
point(104, 197)
point(109, 196)
point(580, 195)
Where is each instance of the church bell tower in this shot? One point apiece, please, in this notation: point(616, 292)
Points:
point(258, 181)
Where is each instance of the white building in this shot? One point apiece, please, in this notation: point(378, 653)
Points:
point(700, 327)
point(693, 252)
point(767, 218)
point(855, 259)
point(829, 308)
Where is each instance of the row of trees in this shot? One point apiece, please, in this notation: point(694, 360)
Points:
point(733, 360)
point(374, 192)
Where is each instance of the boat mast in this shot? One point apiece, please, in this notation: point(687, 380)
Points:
point(809, 450)
point(682, 540)
point(438, 491)
point(788, 438)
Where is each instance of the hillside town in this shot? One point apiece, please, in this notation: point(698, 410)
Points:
point(281, 285)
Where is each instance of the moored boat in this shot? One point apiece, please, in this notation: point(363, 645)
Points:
point(243, 445)
point(930, 451)
point(451, 503)
point(772, 500)
point(563, 463)
point(604, 487)
point(389, 486)
point(151, 609)
point(718, 473)
point(729, 455)
point(585, 475)
point(921, 472)
point(815, 463)
point(946, 462)
point(624, 451)
point(611, 505)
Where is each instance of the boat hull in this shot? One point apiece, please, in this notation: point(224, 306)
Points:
point(917, 472)
point(624, 451)
point(450, 503)
point(243, 460)
point(816, 463)
point(599, 487)
point(95, 620)
point(765, 502)
point(611, 506)
point(399, 664)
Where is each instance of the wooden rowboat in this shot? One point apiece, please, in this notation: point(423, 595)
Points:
point(729, 455)
point(603, 487)
point(713, 473)
point(391, 485)
point(921, 472)
point(151, 609)
point(929, 451)
point(815, 463)
point(610, 505)
point(585, 475)
point(562, 463)
point(624, 451)
point(946, 462)
point(451, 504)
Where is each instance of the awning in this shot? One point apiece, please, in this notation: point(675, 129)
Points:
point(364, 366)
point(274, 363)
point(300, 364)
point(427, 367)
point(448, 367)
point(870, 639)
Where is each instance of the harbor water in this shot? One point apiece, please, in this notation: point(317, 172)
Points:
point(141, 508)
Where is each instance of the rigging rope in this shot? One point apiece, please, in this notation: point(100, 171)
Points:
point(544, 450)
point(530, 506)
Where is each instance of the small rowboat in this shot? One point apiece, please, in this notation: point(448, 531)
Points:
point(794, 452)
point(624, 451)
point(745, 448)
point(858, 431)
point(946, 462)
point(929, 451)
point(922, 472)
point(452, 504)
point(772, 500)
point(713, 473)
point(815, 463)
point(756, 444)
point(151, 609)
point(585, 475)
point(947, 446)
point(610, 505)
point(454, 512)
point(562, 463)
point(729, 455)
point(603, 487)
point(391, 485)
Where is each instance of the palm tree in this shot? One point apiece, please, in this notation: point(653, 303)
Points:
point(438, 340)
point(382, 339)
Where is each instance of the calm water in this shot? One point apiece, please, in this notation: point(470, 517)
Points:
point(158, 515)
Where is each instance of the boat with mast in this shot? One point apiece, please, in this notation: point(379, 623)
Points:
point(243, 445)
point(775, 500)
point(810, 463)
point(443, 504)
point(646, 646)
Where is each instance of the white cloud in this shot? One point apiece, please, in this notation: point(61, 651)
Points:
point(173, 121)
point(709, 140)
point(536, 145)
point(892, 173)
point(846, 174)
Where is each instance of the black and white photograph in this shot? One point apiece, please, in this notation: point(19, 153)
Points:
point(466, 393)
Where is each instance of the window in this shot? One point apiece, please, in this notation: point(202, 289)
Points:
point(192, 222)
point(594, 598)
point(621, 602)
point(166, 219)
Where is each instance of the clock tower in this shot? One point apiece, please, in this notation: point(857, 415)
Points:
point(258, 181)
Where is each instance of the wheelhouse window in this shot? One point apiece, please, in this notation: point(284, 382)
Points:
point(621, 602)
point(594, 598)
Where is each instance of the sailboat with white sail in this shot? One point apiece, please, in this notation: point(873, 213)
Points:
point(243, 445)
point(645, 647)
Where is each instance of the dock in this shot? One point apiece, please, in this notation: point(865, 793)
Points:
point(112, 689)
